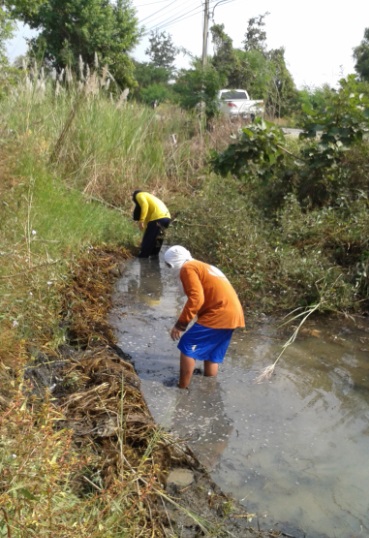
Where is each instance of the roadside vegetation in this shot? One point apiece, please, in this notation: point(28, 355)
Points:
point(285, 217)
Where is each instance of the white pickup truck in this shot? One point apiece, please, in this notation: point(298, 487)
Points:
point(237, 104)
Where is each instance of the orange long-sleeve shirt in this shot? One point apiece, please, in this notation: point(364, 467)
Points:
point(210, 297)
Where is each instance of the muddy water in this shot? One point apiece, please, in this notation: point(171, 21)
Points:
point(294, 450)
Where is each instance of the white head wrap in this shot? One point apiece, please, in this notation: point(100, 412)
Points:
point(176, 256)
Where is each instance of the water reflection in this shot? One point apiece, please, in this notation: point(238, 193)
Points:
point(307, 441)
point(294, 450)
point(144, 283)
point(201, 419)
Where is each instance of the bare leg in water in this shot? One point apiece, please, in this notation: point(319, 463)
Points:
point(187, 366)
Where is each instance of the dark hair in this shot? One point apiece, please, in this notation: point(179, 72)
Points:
point(134, 195)
point(137, 210)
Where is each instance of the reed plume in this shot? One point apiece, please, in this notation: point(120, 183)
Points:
point(267, 372)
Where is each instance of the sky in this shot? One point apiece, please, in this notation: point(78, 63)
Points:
point(318, 36)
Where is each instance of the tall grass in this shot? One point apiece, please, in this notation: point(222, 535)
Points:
point(102, 148)
point(70, 155)
point(84, 152)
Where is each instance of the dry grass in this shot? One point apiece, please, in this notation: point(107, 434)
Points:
point(95, 428)
point(267, 372)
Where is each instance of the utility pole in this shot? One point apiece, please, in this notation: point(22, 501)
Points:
point(205, 34)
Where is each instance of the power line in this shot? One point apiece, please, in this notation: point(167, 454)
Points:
point(180, 15)
point(177, 16)
point(157, 13)
point(176, 19)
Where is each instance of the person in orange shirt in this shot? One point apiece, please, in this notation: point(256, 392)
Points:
point(153, 219)
point(214, 306)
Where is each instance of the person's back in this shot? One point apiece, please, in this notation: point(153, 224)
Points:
point(151, 207)
point(153, 219)
point(210, 296)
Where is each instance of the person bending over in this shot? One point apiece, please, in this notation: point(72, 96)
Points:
point(212, 299)
point(153, 219)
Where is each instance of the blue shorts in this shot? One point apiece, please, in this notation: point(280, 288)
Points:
point(205, 344)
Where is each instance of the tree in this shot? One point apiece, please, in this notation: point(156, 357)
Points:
point(156, 93)
point(152, 83)
point(361, 55)
point(6, 32)
point(162, 51)
point(237, 67)
point(23, 9)
point(198, 85)
point(282, 93)
point(147, 74)
point(252, 72)
point(274, 79)
point(8, 75)
point(261, 72)
point(255, 37)
point(223, 58)
point(83, 28)
point(153, 77)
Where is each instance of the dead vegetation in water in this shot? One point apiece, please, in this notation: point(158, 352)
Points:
point(87, 297)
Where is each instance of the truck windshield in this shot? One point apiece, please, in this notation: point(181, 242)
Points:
point(233, 94)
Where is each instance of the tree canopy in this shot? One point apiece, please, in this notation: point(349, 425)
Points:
point(154, 77)
point(235, 66)
point(255, 36)
point(162, 51)
point(199, 87)
point(282, 93)
point(361, 55)
point(82, 28)
point(262, 72)
point(6, 31)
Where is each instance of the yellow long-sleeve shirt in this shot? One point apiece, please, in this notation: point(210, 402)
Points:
point(151, 207)
point(210, 296)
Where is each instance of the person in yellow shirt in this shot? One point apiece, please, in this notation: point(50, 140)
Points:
point(211, 299)
point(153, 219)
